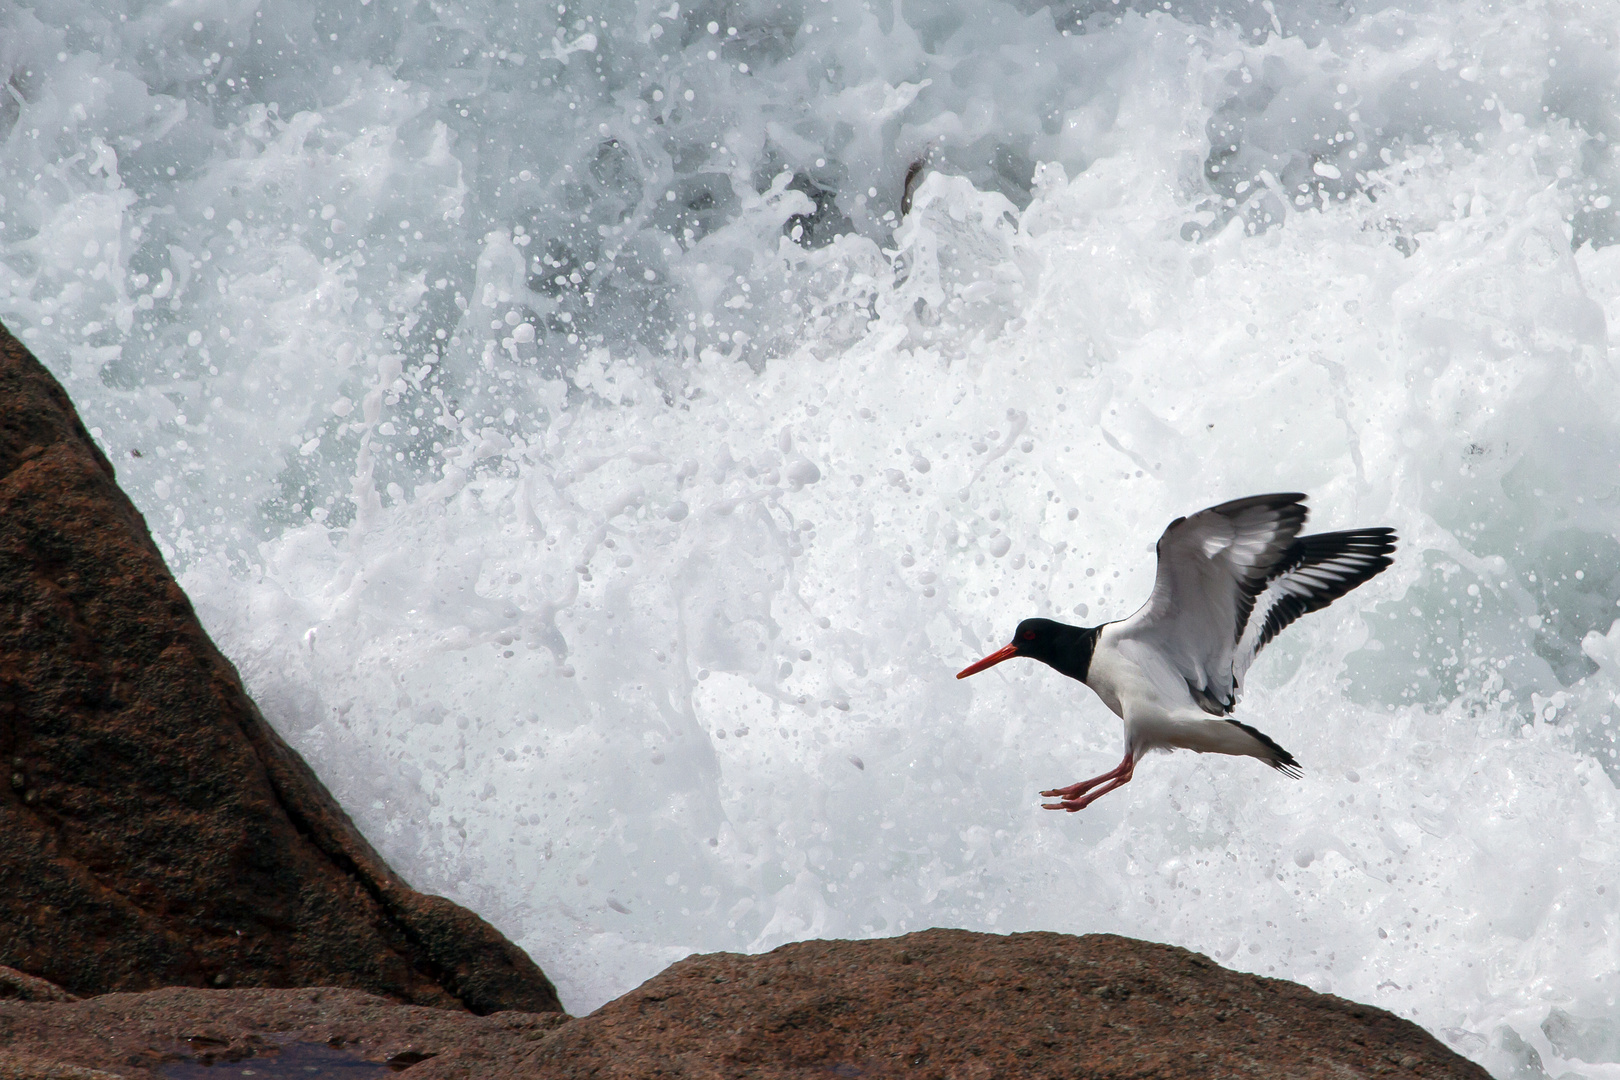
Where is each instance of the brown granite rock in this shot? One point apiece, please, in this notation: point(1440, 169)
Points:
point(950, 1003)
point(180, 1031)
point(28, 1067)
point(17, 986)
point(154, 829)
point(942, 1003)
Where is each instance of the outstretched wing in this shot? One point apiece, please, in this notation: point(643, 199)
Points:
point(1212, 566)
point(1317, 571)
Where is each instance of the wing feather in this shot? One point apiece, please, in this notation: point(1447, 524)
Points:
point(1232, 577)
point(1212, 567)
point(1319, 569)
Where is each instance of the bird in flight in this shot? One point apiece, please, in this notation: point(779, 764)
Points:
point(1230, 578)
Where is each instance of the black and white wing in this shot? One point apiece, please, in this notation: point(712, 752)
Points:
point(1317, 571)
point(1212, 566)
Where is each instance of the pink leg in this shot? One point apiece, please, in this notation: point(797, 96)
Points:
point(1074, 796)
point(1074, 791)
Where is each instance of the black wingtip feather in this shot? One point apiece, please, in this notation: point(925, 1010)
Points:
point(1280, 759)
point(1340, 560)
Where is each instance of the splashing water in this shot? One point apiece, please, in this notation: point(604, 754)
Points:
point(599, 482)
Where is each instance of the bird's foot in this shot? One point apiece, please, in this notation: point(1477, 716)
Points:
point(1076, 797)
point(1074, 791)
point(1071, 805)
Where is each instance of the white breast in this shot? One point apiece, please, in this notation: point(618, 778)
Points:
point(1133, 680)
point(1144, 690)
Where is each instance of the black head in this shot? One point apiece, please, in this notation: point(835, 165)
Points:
point(1066, 648)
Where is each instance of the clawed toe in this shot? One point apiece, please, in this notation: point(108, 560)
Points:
point(1081, 795)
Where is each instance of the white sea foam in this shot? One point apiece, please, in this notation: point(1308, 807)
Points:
point(601, 491)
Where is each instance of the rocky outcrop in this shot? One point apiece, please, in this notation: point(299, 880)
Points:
point(950, 1003)
point(938, 1004)
point(154, 829)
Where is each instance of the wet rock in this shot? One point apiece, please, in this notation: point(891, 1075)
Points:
point(154, 829)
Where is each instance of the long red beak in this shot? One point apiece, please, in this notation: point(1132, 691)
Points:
point(990, 661)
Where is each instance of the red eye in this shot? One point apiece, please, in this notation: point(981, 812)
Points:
point(1029, 635)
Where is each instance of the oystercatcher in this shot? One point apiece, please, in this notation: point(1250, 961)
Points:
point(1230, 578)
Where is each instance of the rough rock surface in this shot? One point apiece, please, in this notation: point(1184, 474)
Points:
point(300, 1033)
point(17, 986)
point(950, 1003)
point(154, 829)
point(941, 1003)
